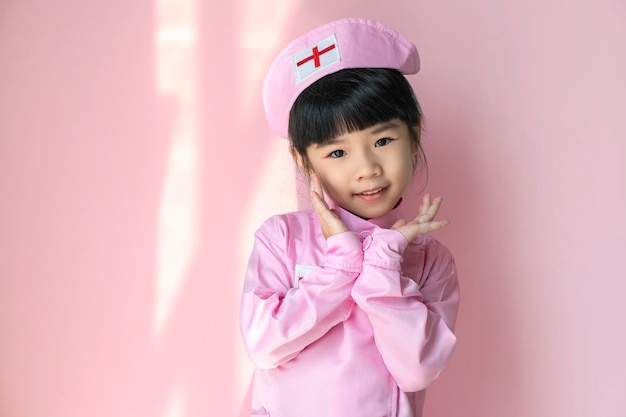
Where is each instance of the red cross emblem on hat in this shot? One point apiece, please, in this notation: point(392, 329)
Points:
point(313, 59)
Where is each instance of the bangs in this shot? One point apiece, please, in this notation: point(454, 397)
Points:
point(350, 100)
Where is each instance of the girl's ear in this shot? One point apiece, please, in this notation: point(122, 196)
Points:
point(299, 161)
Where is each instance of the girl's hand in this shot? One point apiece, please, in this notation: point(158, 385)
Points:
point(424, 222)
point(331, 223)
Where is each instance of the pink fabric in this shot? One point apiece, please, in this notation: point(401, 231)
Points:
point(361, 43)
point(364, 333)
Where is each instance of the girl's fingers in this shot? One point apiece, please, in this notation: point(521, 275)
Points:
point(330, 221)
point(424, 222)
point(316, 186)
point(430, 210)
point(413, 229)
point(434, 208)
point(319, 205)
point(398, 224)
point(317, 197)
point(425, 205)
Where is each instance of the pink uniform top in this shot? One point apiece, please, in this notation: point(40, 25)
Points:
point(356, 325)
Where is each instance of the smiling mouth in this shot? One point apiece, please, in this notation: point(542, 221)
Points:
point(371, 192)
point(372, 195)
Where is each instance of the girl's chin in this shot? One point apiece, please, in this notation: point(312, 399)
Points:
point(369, 212)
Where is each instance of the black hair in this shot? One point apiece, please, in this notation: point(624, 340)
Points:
point(350, 100)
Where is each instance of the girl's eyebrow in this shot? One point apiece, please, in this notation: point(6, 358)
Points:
point(381, 127)
point(331, 142)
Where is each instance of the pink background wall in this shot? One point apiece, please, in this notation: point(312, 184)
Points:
point(135, 162)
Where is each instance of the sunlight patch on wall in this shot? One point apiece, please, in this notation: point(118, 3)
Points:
point(177, 81)
point(176, 403)
point(260, 40)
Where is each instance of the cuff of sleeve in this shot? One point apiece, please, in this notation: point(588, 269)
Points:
point(386, 249)
point(344, 252)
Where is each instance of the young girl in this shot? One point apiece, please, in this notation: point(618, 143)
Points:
point(348, 310)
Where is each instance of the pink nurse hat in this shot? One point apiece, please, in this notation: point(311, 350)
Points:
point(345, 43)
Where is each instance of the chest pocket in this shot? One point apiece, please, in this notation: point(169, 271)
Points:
point(301, 272)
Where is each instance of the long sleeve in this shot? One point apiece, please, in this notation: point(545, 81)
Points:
point(413, 322)
point(277, 319)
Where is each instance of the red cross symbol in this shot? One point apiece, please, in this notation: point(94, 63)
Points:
point(316, 56)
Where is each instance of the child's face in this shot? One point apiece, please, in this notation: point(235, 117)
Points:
point(367, 171)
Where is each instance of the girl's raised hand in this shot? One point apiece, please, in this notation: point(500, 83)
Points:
point(424, 222)
point(331, 223)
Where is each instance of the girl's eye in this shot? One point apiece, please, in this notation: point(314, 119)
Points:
point(337, 154)
point(382, 142)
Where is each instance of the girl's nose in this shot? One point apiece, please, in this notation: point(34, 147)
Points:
point(367, 167)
